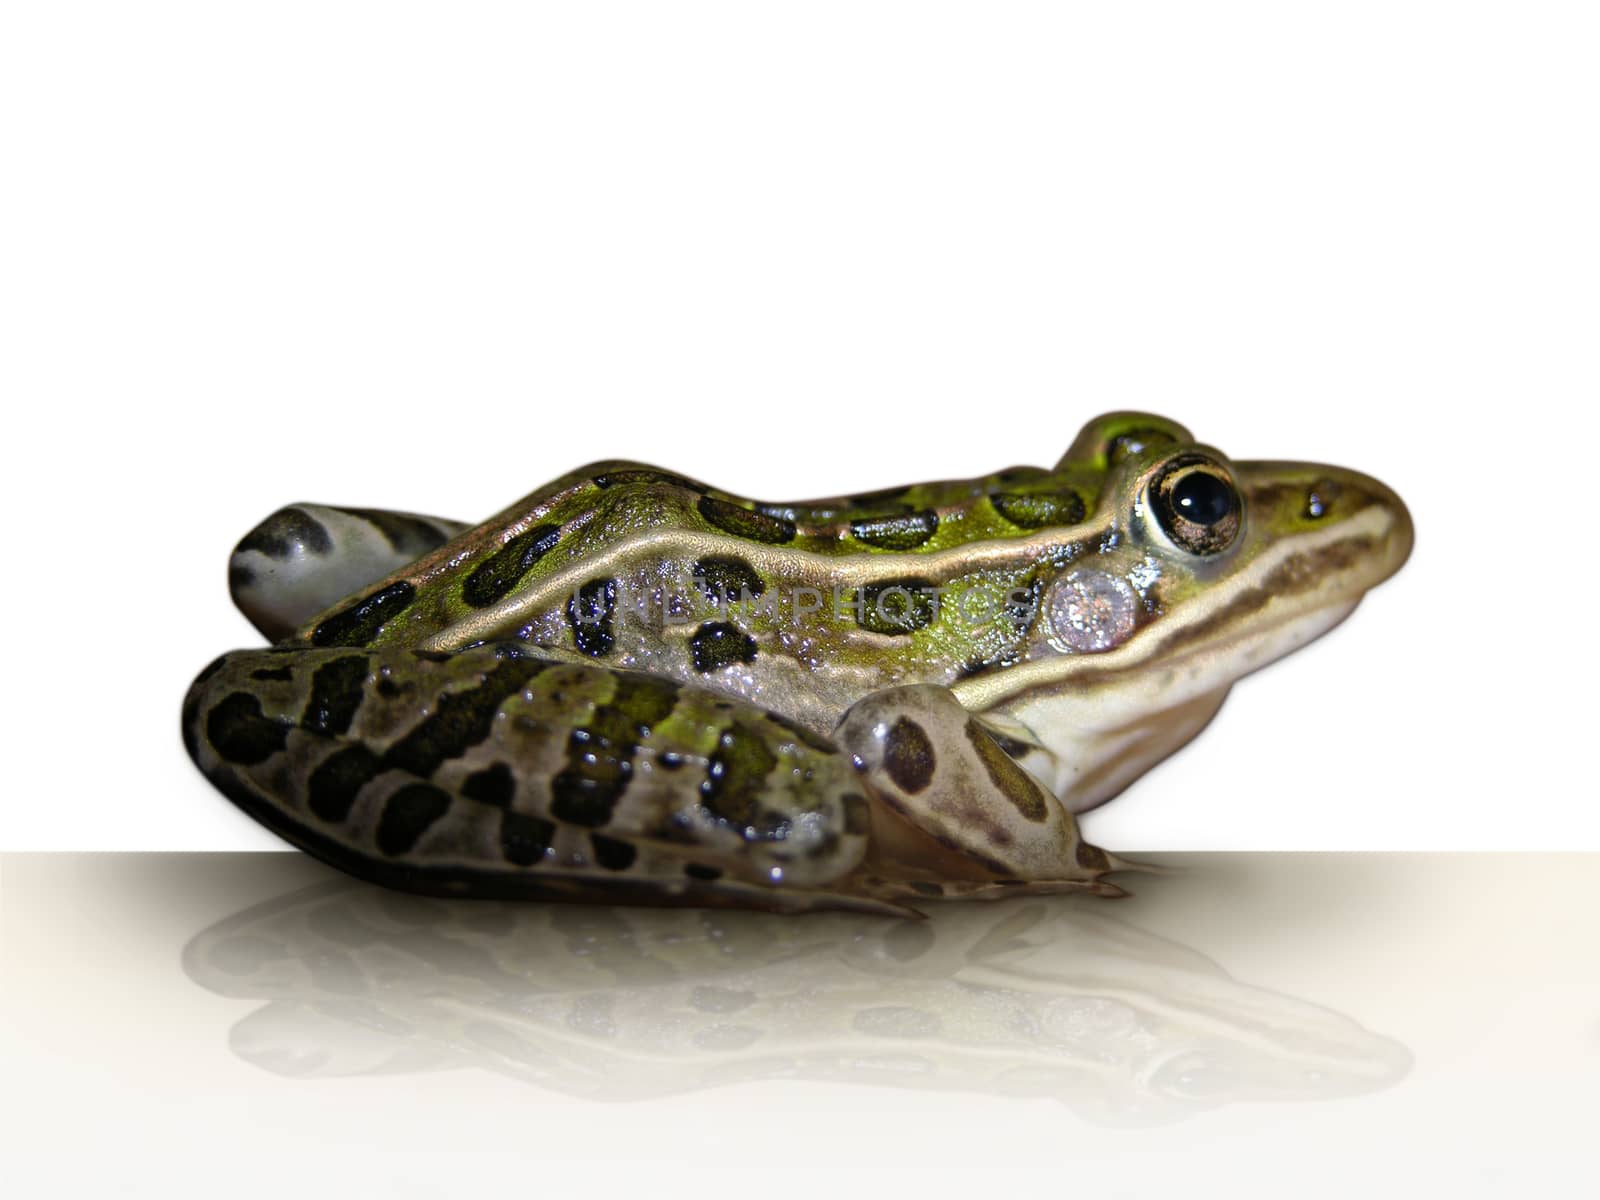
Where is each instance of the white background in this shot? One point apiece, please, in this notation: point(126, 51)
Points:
point(428, 257)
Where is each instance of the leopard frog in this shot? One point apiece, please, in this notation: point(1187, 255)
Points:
point(632, 687)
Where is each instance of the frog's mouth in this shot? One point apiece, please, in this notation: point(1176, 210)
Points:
point(1107, 718)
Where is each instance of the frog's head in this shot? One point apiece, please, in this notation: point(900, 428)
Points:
point(1207, 570)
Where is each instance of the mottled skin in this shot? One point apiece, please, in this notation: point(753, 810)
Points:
point(631, 686)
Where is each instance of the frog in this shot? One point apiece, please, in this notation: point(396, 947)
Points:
point(631, 687)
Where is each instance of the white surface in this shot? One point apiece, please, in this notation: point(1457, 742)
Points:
point(1265, 1025)
point(428, 258)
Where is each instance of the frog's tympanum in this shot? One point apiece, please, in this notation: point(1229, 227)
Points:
point(629, 686)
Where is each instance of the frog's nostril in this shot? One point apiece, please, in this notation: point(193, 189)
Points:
point(1321, 497)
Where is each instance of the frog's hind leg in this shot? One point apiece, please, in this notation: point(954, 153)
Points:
point(957, 816)
point(307, 557)
point(497, 771)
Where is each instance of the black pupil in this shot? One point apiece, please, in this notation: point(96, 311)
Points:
point(1202, 498)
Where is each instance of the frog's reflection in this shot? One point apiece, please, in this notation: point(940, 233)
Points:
point(1048, 998)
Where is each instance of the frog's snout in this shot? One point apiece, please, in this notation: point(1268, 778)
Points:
point(1393, 533)
point(1364, 524)
point(1403, 533)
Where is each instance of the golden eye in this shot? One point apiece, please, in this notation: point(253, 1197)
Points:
point(1197, 505)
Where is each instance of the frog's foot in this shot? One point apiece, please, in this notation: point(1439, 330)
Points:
point(957, 816)
point(306, 557)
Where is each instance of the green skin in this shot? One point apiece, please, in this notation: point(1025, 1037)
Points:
point(629, 686)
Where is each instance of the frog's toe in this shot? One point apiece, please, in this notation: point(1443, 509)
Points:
point(305, 558)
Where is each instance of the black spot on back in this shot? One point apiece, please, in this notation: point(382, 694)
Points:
point(718, 644)
point(1022, 604)
point(286, 532)
point(811, 514)
point(272, 674)
point(525, 839)
point(724, 579)
point(240, 733)
point(337, 689)
point(332, 788)
point(408, 814)
point(702, 872)
point(600, 754)
point(897, 606)
point(358, 624)
point(461, 720)
point(736, 775)
point(611, 853)
point(901, 532)
point(495, 785)
point(908, 756)
point(495, 578)
point(589, 613)
point(1035, 510)
point(746, 523)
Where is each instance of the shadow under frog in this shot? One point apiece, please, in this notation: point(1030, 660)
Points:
point(1042, 998)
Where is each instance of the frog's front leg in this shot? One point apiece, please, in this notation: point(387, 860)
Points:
point(957, 816)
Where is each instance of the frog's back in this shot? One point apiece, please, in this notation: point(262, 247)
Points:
point(638, 568)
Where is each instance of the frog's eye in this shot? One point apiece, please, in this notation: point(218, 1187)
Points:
point(1197, 505)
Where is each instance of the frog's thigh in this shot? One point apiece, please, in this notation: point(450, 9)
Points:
point(939, 768)
point(496, 771)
